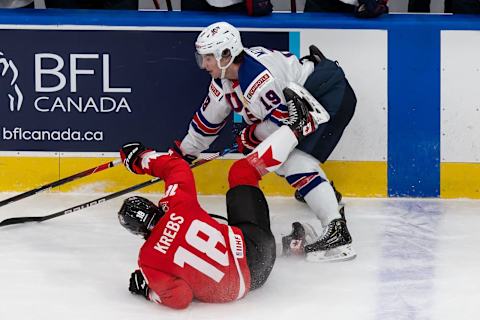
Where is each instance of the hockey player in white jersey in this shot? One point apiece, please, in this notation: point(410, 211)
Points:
point(259, 83)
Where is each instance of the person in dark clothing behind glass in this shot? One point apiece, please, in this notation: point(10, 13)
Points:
point(93, 4)
point(361, 8)
point(419, 6)
point(251, 7)
point(462, 6)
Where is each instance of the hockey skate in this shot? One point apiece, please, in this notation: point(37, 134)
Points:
point(294, 243)
point(303, 118)
point(295, 92)
point(335, 244)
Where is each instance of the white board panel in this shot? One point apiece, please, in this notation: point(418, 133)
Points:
point(460, 96)
point(363, 56)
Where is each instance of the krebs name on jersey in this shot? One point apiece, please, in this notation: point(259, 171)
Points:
point(169, 233)
point(85, 71)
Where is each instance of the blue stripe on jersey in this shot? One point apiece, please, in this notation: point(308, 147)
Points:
point(207, 123)
point(274, 120)
point(249, 70)
point(203, 133)
point(278, 115)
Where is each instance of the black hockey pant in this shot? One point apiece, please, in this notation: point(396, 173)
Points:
point(247, 210)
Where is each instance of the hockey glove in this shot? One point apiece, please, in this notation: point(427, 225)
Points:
point(294, 243)
point(131, 154)
point(175, 149)
point(138, 285)
point(246, 140)
point(371, 8)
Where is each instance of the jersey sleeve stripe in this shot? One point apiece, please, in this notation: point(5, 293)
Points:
point(202, 126)
point(278, 115)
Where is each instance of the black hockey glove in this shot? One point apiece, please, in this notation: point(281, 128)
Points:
point(131, 156)
point(138, 285)
point(371, 8)
point(178, 151)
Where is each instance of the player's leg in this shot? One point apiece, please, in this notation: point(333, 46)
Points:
point(303, 172)
point(322, 143)
point(247, 207)
point(247, 210)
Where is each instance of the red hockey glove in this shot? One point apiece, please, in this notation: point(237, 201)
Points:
point(175, 149)
point(131, 154)
point(246, 140)
point(138, 285)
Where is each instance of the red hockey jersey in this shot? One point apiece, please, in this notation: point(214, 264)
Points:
point(189, 254)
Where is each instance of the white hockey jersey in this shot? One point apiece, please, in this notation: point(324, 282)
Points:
point(257, 96)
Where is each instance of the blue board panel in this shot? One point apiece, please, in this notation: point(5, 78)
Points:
point(128, 85)
point(414, 111)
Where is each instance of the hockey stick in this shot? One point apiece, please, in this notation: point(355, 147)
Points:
point(60, 182)
point(117, 194)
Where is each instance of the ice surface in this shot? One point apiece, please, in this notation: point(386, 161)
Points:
point(417, 259)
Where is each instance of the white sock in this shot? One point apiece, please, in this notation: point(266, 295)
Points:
point(323, 202)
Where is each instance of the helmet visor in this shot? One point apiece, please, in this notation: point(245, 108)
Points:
point(199, 60)
point(203, 59)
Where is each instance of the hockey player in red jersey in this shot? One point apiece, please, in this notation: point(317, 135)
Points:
point(187, 253)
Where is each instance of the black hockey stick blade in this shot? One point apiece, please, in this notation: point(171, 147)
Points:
point(60, 182)
point(18, 220)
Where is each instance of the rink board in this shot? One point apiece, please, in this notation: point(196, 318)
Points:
point(366, 178)
point(413, 134)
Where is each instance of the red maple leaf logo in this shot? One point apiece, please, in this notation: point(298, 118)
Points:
point(264, 162)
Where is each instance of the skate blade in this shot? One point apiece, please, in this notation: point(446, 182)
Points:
point(342, 253)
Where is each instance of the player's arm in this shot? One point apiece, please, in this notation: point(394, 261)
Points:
point(161, 288)
point(271, 103)
point(270, 107)
point(171, 168)
point(206, 123)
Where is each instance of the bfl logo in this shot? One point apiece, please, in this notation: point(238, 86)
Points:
point(8, 79)
point(63, 96)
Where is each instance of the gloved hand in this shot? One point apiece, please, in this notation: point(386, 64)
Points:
point(246, 139)
point(138, 285)
point(371, 8)
point(131, 154)
point(179, 152)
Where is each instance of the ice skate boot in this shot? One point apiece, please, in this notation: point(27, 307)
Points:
point(335, 244)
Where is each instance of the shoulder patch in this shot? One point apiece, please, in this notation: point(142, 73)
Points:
point(249, 71)
point(261, 80)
